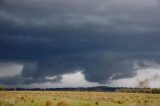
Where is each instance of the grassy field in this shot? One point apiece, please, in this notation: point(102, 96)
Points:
point(67, 98)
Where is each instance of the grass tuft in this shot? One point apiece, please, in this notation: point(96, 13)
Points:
point(48, 103)
point(63, 103)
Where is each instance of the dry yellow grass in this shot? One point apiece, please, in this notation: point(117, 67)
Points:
point(38, 98)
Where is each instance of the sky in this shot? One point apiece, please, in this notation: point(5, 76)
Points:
point(79, 43)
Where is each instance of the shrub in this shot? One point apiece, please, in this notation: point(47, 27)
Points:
point(10, 104)
point(48, 103)
point(145, 101)
point(32, 101)
point(63, 103)
point(22, 98)
point(97, 103)
point(120, 102)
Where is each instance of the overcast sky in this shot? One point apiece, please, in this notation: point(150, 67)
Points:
point(70, 43)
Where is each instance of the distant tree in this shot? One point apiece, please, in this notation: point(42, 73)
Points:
point(156, 91)
point(139, 90)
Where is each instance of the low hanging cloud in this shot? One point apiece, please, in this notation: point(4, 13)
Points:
point(52, 38)
point(145, 77)
point(76, 79)
point(10, 69)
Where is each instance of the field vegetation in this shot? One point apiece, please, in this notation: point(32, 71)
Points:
point(76, 98)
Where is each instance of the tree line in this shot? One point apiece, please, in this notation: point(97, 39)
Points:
point(98, 89)
point(140, 90)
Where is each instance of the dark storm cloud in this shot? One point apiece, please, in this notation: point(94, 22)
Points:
point(54, 37)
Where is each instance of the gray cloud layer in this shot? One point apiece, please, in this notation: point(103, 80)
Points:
point(54, 37)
